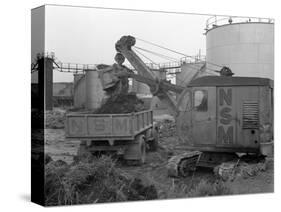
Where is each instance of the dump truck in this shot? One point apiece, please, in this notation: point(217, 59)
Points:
point(216, 116)
point(128, 135)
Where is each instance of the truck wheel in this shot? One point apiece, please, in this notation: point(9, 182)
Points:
point(153, 144)
point(82, 153)
point(142, 150)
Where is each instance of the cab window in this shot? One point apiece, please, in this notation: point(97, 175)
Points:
point(200, 100)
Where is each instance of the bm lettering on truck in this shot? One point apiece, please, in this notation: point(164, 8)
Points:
point(225, 129)
point(76, 126)
point(99, 124)
point(120, 125)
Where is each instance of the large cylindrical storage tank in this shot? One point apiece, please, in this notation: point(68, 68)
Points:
point(140, 88)
point(247, 48)
point(94, 91)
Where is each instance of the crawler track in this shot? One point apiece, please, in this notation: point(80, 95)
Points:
point(180, 165)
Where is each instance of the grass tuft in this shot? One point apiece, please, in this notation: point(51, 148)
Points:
point(205, 188)
point(92, 182)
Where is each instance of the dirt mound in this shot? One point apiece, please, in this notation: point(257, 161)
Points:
point(167, 128)
point(93, 182)
point(123, 103)
point(55, 119)
point(231, 170)
point(138, 191)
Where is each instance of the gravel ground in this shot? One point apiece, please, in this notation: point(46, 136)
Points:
point(155, 169)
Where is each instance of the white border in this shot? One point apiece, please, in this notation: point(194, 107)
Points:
point(15, 105)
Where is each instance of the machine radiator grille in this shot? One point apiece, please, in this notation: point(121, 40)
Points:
point(250, 115)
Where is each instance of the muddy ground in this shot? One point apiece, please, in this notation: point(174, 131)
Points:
point(154, 171)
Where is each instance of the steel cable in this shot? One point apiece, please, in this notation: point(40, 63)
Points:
point(154, 44)
point(146, 57)
point(157, 54)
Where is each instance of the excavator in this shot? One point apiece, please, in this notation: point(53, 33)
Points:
point(216, 116)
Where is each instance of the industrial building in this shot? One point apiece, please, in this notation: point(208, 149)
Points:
point(63, 94)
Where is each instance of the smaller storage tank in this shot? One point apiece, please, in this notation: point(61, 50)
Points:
point(94, 91)
point(140, 88)
point(79, 91)
point(156, 104)
point(188, 72)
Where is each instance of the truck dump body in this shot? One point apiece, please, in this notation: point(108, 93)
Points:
point(87, 126)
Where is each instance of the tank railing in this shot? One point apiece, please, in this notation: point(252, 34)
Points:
point(170, 64)
point(76, 67)
point(81, 68)
point(152, 66)
point(194, 59)
point(72, 67)
point(215, 21)
point(62, 67)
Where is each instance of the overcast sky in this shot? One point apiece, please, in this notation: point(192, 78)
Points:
point(88, 35)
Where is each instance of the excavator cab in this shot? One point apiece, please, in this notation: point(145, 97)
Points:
point(226, 114)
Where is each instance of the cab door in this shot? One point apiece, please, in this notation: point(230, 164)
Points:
point(204, 116)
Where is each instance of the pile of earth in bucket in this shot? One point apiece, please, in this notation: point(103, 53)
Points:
point(122, 103)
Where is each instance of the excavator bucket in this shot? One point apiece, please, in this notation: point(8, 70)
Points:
point(108, 78)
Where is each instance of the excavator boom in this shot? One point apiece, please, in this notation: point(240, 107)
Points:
point(124, 46)
point(158, 87)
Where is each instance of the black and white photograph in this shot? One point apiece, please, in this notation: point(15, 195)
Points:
point(136, 105)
